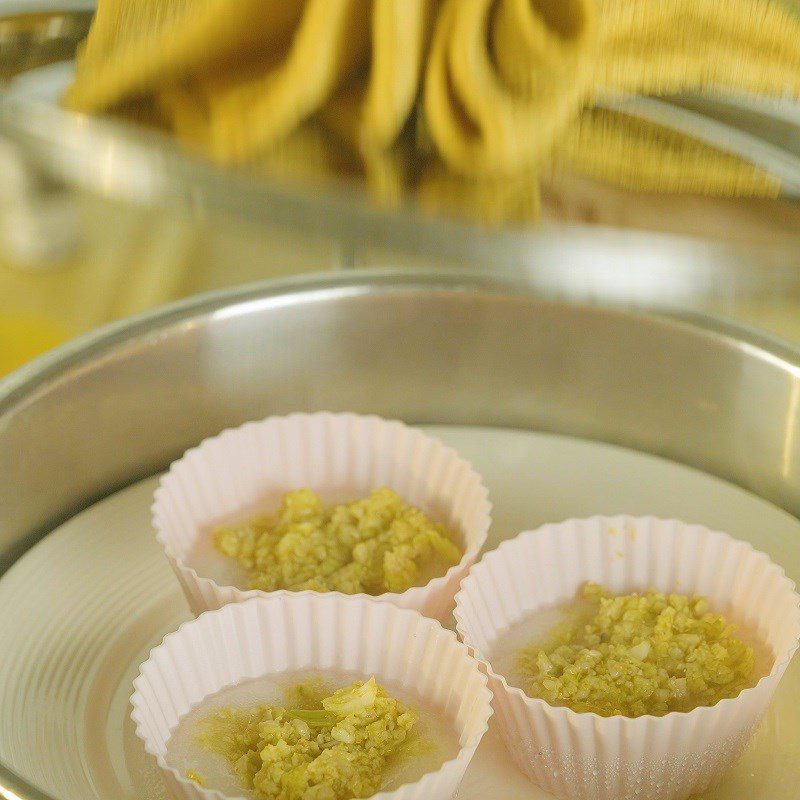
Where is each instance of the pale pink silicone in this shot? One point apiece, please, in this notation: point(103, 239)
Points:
point(289, 631)
point(342, 457)
point(585, 756)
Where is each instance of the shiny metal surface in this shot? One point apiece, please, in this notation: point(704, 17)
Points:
point(36, 33)
point(594, 242)
point(576, 260)
point(122, 402)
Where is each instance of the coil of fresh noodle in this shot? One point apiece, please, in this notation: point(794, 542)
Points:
point(236, 111)
point(135, 47)
point(252, 92)
point(504, 77)
point(672, 46)
point(486, 120)
point(372, 112)
point(509, 86)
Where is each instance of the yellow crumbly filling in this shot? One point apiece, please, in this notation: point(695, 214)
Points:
point(637, 654)
point(374, 545)
point(333, 749)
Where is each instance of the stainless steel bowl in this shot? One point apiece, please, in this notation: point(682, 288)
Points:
point(120, 403)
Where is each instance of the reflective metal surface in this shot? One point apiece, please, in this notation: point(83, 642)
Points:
point(434, 348)
point(593, 241)
point(718, 250)
point(121, 403)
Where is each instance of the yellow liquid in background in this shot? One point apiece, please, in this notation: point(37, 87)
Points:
point(25, 336)
point(131, 260)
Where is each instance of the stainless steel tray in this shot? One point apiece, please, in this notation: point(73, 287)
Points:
point(119, 404)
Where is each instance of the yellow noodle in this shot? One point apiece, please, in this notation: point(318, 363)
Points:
point(503, 78)
point(637, 154)
point(137, 46)
point(510, 87)
point(235, 112)
point(400, 34)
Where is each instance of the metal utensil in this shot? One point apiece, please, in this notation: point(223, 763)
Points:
point(763, 133)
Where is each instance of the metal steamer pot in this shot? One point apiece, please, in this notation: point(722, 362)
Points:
point(122, 402)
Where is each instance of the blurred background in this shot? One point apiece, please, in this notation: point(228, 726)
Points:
point(104, 216)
